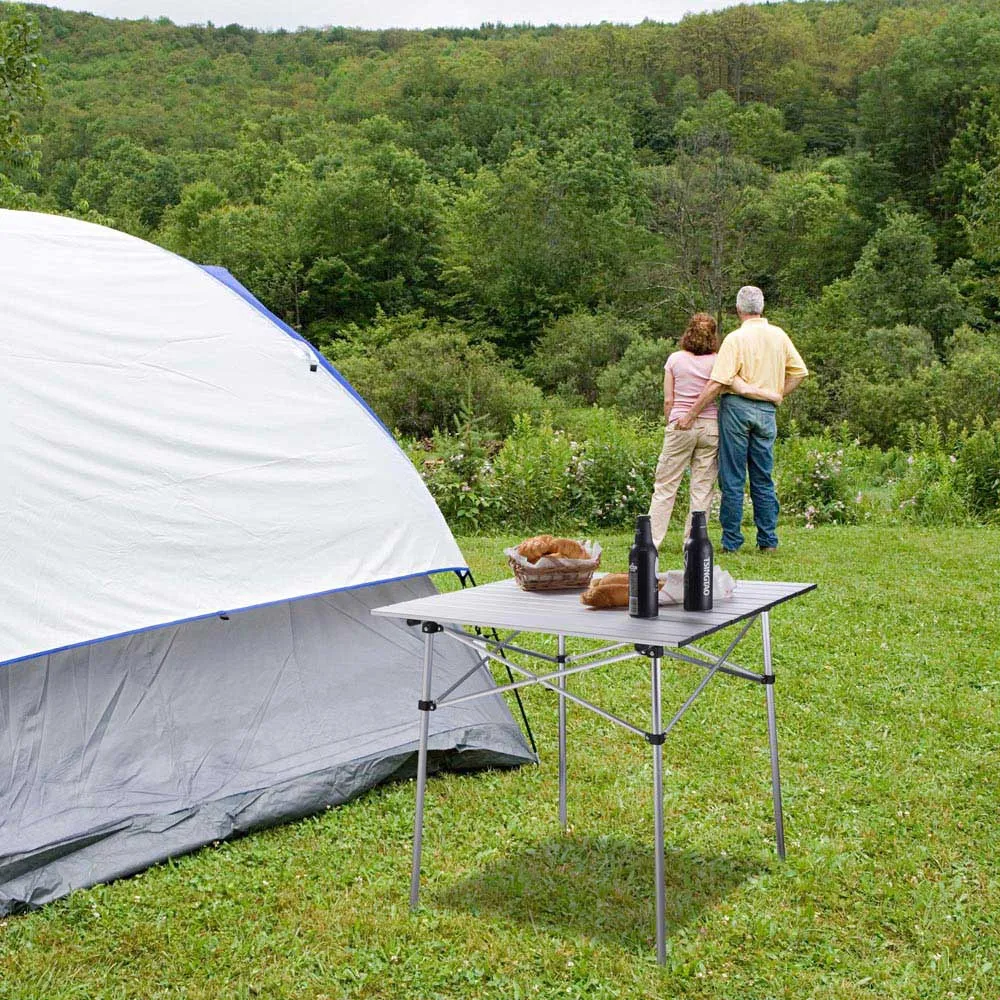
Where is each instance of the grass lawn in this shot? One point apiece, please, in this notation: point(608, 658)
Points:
point(887, 693)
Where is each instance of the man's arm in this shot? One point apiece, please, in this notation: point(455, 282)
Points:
point(795, 369)
point(743, 388)
point(711, 392)
point(792, 382)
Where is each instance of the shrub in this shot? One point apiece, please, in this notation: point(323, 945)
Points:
point(926, 494)
point(977, 471)
point(614, 461)
point(454, 467)
point(925, 489)
point(576, 348)
point(635, 384)
point(531, 481)
point(545, 477)
point(596, 473)
point(816, 479)
point(417, 375)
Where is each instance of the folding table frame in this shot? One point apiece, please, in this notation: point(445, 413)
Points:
point(670, 636)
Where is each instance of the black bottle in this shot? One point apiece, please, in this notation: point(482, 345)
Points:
point(643, 593)
point(698, 565)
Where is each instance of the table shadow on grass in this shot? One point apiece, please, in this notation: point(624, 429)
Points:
point(601, 887)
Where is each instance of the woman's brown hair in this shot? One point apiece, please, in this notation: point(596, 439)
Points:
point(701, 336)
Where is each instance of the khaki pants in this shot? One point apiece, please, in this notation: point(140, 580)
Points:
point(697, 448)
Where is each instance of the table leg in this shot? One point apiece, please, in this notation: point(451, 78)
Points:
point(772, 733)
point(661, 892)
point(563, 820)
point(425, 711)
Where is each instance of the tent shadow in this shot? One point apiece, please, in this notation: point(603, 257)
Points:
point(600, 887)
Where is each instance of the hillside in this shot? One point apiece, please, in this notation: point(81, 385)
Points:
point(537, 202)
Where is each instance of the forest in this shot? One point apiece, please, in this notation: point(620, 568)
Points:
point(498, 233)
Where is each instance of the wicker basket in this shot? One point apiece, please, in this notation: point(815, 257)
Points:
point(554, 574)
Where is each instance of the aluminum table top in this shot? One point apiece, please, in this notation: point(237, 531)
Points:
point(504, 605)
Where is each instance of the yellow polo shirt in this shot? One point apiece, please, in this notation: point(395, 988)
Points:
point(760, 353)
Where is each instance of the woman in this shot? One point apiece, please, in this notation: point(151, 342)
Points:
point(684, 376)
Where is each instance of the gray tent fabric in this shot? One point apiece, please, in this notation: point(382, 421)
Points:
point(122, 753)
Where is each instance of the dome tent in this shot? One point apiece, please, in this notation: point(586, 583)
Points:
point(197, 515)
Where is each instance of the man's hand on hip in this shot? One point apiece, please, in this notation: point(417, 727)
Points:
point(685, 423)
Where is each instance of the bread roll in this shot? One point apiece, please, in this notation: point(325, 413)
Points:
point(534, 548)
point(568, 549)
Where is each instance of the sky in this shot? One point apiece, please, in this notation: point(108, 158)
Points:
point(292, 14)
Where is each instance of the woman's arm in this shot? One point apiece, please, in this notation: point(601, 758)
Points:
point(668, 393)
point(743, 388)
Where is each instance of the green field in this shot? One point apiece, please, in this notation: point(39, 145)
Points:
point(888, 689)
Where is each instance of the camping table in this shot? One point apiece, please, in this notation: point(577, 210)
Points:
point(505, 606)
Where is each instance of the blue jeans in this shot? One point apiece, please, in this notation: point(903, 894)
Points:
point(747, 429)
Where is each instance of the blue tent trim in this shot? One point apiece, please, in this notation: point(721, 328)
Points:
point(459, 570)
point(222, 275)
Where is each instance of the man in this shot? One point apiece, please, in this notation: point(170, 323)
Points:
point(764, 355)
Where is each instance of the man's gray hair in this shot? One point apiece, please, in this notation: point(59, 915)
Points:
point(750, 301)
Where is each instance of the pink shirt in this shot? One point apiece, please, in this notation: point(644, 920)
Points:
point(690, 372)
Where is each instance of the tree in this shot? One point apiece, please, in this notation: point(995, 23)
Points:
point(549, 231)
point(912, 108)
point(982, 218)
point(973, 155)
point(12, 196)
point(244, 171)
point(806, 233)
point(181, 222)
point(744, 42)
point(699, 51)
point(897, 281)
point(130, 184)
point(574, 349)
point(371, 229)
point(701, 212)
point(418, 374)
point(20, 83)
point(260, 244)
point(753, 130)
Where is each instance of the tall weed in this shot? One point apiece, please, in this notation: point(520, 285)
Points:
point(576, 469)
point(977, 471)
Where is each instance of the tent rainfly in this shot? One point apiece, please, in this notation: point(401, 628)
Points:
point(196, 515)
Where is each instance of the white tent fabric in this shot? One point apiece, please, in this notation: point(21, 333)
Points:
point(196, 516)
point(169, 454)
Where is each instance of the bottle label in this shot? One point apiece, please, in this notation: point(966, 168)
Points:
point(706, 578)
point(633, 589)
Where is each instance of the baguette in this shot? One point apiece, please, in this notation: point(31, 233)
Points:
point(610, 591)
